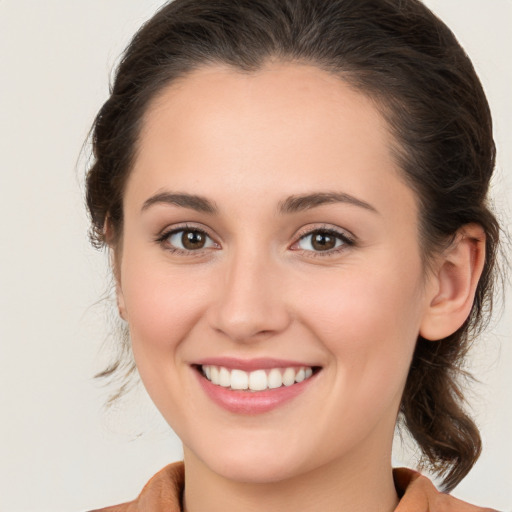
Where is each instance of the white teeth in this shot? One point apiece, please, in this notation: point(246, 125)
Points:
point(224, 377)
point(214, 377)
point(275, 379)
point(239, 379)
point(301, 375)
point(289, 377)
point(257, 380)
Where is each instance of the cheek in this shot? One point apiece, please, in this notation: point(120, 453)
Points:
point(163, 309)
point(369, 324)
point(161, 306)
point(369, 321)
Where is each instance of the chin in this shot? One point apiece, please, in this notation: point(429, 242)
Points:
point(256, 471)
point(256, 465)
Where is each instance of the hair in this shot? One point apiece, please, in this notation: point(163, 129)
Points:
point(401, 55)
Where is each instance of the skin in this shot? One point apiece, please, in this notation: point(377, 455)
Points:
point(247, 142)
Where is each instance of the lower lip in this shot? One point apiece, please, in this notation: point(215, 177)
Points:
point(252, 402)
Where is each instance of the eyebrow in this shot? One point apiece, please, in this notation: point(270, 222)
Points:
point(194, 202)
point(299, 203)
point(292, 204)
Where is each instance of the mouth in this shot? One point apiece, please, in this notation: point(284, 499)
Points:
point(254, 386)
point(266, 379)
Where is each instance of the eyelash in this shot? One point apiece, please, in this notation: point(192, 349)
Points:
point(163, 240)
point(347, 241)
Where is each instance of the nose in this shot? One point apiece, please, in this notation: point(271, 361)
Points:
point(250, 303)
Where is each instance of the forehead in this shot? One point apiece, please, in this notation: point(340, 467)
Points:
point(287, 125)
point(297, 96)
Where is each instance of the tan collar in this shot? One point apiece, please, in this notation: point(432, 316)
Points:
point(164, 492)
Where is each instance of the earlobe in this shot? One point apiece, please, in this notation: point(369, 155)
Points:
point(115, 266)
point(456, 278)
point(120, 302)
point(121, 308)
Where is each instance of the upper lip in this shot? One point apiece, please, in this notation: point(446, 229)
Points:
point(260, 363)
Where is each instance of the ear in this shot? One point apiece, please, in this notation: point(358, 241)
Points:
point(114, 248)
point(120, 300)
point(115, 265)
point(454, 281)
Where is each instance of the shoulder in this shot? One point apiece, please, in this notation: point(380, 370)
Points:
point(161, 494)
point(420, 495)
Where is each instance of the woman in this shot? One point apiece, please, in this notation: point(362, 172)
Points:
point(294, 193)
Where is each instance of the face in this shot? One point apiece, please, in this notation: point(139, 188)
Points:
point(270, 243)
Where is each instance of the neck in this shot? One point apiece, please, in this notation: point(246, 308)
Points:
point(348, 486)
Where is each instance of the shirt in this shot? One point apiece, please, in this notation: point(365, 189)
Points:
point(163, 493)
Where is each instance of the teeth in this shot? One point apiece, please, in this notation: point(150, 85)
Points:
point(239, 379)
point(275, 379)
point(224, 377)
point(289, 377)
point(301, 375)
point(214, 375)
point(257, 380)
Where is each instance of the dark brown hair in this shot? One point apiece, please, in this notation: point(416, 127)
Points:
point(409, 62)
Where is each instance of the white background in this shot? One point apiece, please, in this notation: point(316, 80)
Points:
point(58, 450)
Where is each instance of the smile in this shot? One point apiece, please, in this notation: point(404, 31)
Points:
point(257, 380)
point(256, 386)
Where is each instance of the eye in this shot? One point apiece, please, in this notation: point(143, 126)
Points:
point(187, 240)
point(323, 240)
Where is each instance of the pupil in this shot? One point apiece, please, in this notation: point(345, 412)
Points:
point(192, 240)
point(323, 242)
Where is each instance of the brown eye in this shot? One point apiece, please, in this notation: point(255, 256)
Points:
point(322, 241)
point(190, 240)
point(193, 240)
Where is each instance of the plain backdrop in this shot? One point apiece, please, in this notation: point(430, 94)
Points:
point(59, 450)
